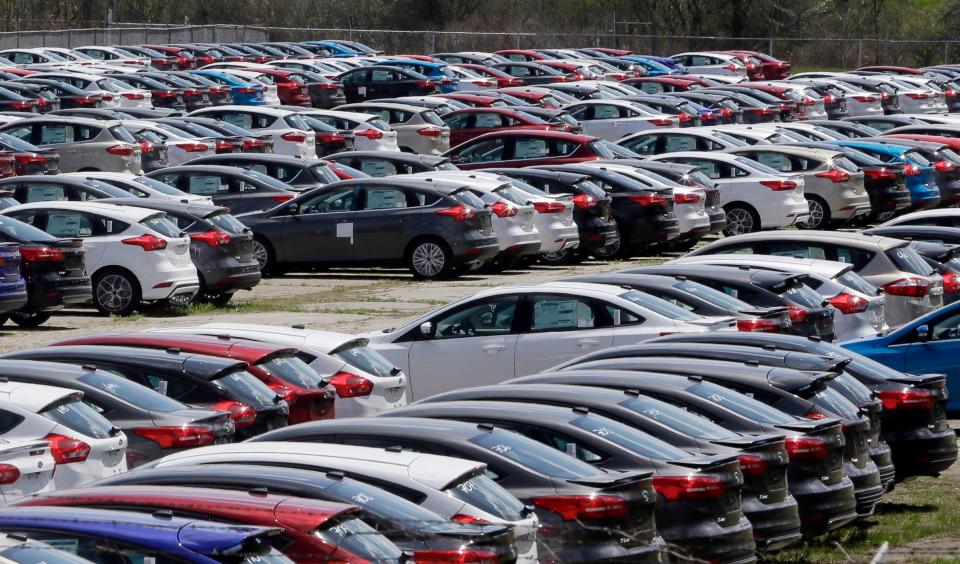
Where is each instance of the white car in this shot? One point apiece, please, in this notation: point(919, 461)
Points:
point(365, 381)
point(26, 467)
point(470, 81)
point(442, 484)
point(181, 146)
point(553, 216)
point(677, 139)
point(133, 255)
point(859, 102)
point(113, 56)
point(142, 186)
point(291, 135)
point(367, 131)
point(945, 217)
point(712, 63)
point(114, 93)
point(614, 119)
point(861, 306)
point(512, 331)
point(753, 195)
point(85, 445)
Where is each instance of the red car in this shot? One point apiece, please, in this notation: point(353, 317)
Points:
point(276, 366)
point(753, 65)
point(291, 86)
point(571, 70)
point(519, 148)
point(890, 69)
point(185, 60)
point(475, 100)
point(474, 122)
point(773, 68)
point(525, 55)
point(503, 79)
point(313, 531)
point(539, 97)
point(663, 84)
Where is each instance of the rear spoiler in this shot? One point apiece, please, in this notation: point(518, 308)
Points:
point(745, 441)
point(704, 462)
point(612, 479)
point(810, 426)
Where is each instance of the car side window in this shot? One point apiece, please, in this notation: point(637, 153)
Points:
point(776, 161)
point(239, 119)
point(488, 318)
point(383, 199)
point(356, 77)
point(562, 313)
point(24, 132)
point(483, 151)
point(68, 224)
point(857, 257)
point(677, 143)
point(946, 328)
point(622, 317)
point(487, 120)
point(329, 202)
point(85, 133)
point(378, 167)
point(382, 76)
point(558, 441)
point(562, 148)
point(799, 250)
point(52, 133)
point(171, 388)
point(207, 184)
point(459, 121)
point(646, 145)
point(29, 192)
point(172, 180)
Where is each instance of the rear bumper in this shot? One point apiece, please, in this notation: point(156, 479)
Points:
point(475, 250)
point(52, 293)
point(238, 277)
point(824, 507)
point(599, 238)
point(520, 250)
point(715, 543)
point(611, 552)
point(13, 297)
point(775, 525)
point(922, 452)
point(882, 456)
point(867, 487)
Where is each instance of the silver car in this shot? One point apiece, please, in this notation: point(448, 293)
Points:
point(83, 144)
point(419, 130)
point(912, 287)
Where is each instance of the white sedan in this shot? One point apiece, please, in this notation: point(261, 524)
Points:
point(511, 331)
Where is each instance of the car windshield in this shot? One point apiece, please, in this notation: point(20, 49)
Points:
point(21, 232)
point(360, 540)
point(80, 417)
point(728, 138)
point(226, 222)
point(832, 400)
point(628, 437)
point(741, 404)
point(678, 418)
point(160, 224)
point(483, 493)
point(366, 359)
point(523, 186)
point(130, 392)
point(380, 124)
point(713, 296)
point(659, 306)
point(534, 455)
point(247, 388)
point(291, 369)
point(907, 260)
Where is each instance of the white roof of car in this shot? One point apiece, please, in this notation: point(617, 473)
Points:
point(129, 213)
point(356, 116)
point(706, 155)
point(925, 214)
point(265, 110)
point(826, 268)
point(34, 397)
point(326, 341)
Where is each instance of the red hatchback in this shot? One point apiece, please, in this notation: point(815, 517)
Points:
point(276, 366)
point(773, 68)
point(525, 55)
point(503, 79)
point(521, 147)
point(663, 84)
point(185, 60)
point(313, 531)
point(473, 122)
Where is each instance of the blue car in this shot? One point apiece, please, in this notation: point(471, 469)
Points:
point(336, 49)
point(920, 174)
point(99, 534)
point(244, 93)
point(653, 68)
point(667, 62)
point(435, 71)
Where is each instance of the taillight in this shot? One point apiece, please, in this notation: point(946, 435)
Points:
point(431, 131)
point(286, 393)
point(456, 556)
point(796, 314)
point(147, 147)
point(944, 166)
point(808, 101)
point(726, 112)
point(281, 198)
point(370, 133)
point(41, 254)
point(147, 242)
point(686, 198)
point(193, 147)
point(9, 474)
point(242, 414)
point(584, 201)
point(164, 94)
point(459, 213)
point(907, 398)
point(814, 415)
point(880, 174)
point(911, 170)
point(66, 450)
point(910, 286)
point(246, 90)
point(684, 117)
point(752, 465)
point(132, 95)
point(834, 175)
point(294, 137)
point(120, 150)
point(583, 507)
point(917, 96)
point(828, 99)
point(806, 448)
point(426, 84)
point(192, 92)
point(951, 281)
point(865, 99)
point(757, 326)
point(223, 146)
point(659, 122)
point(21, 105)
point(760, 111)
point(779, 185)
point(186, 436)
point(249, 144)
point(503, 209)
point(213, 238)
point(649, 199)
point(350, 385)
point(329, 138)
point(731, 68)
point(848, 303)
point(674, 488)
point(469, 519)
point(549, 207)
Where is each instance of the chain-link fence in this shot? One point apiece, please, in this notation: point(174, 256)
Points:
point(132, 35)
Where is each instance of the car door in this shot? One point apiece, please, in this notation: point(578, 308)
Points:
point(71, 224)
point(59, 136)
point(383, 218)
point(355, 85)
point(245, 195)
point(602, 120)
point(321, 230)
point(471, 345)
point(559, 327)
point(383, 83)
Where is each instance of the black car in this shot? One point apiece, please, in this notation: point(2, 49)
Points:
point(383, 81)
point(766, 501)
point(70, 96)
point(45, 100)
point(220, 246)
point(435, 229)
point(534, 473)
point(28, 158)
point(300, 174)
point(155, 425)
point(324, 93)
point(194, 97)
point(249, 142)
point(388, 163)
point(410, 526)
point(917, 431)
point(698, 497)
point(815, 447)
point(809, 314)
point(202, 381)
point(591, 208)
point(533, 74)
point(52, 268)
point(218, 94)
point(240, 190)
point(687, 114)
point(642, 211)
point(47, 187)
point(786, 109)
point(162, 95)
point(755, 110)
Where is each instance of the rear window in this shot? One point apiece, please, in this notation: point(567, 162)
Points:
point(292, 369)
point(468, 198)
point(360, 539)
point(534, 455)
point(678, 418)
point(226, 222)
point(122, 134)
point(35, 552)
point(832, 400)
point(917, 158)
point(130, 392)
point(804, 295)
point(15, 230)
point(483, 493)
point(601, 150)
point(380, 124)
point(853, 280)
point(659, 306)
point(741, 404)
point(161, 225)
point(851, 388)
point(512, 195)
point(907, 260)
point(324, 174)
point(366, 359)
point(591, 189)
point(628, 437)
point(80, 417)
point(158, 186)
point(432, 118)
point(247, 388)
point(384, 504)
point(712, 296)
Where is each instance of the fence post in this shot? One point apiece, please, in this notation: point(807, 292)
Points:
point(946, 45)
point(859, 53)
point(518, 38)
point(770, 46)
point(434, 42)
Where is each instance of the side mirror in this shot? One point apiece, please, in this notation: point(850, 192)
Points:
point(426, 329)
point(454, 159)
point(923, 332)
point(293, 209)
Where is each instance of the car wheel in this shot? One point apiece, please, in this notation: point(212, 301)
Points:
point(218, 300)
point(263, 252)
point(429, 259)
point(35, 319)
point(615, 250)
point(819, 214)
point(116, 292)
point(740, 220)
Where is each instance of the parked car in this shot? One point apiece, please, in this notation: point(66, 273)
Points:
point(298, 174)
point(237, 189)
point(526, 148)
point(385, 81)
point(419, 130)
point(389, 163)
point(83, 144)
point(290, 134)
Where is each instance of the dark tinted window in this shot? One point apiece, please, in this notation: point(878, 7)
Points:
point(13, 230)
point(34, 552)
point(161, 225)
point(291, 369)
point(226, 222)
point(907, 260)
point(359, 539)
point(852, 388)
point(130, 392)
point(483, 493)
point(832, 400)
point(364, 358)
point(678, 418)
point(628, 437)
point(393, 508)
point(81, 418)
point(803, 295)
point(247, 388)
point(534, 455)
point(741, 404)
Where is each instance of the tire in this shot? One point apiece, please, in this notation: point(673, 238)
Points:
point(556, 259)
point(819, 214)
point(116, 292)
point(266, 258)
point(616, 250)
point(740, 219)
point(30, 320)
point(429, 259)
point(219, 300)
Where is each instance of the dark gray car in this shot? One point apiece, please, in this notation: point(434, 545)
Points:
point(299, 174)
point(238, 189)
point(155, 425)
point(45, 188)
point(387, 163)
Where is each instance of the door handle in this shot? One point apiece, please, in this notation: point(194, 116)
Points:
point(583, 343)
point(493, 349)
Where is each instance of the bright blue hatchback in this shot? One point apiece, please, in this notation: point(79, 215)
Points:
point(920, 174)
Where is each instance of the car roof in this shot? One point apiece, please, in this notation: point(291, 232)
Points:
point(745, 275)
point(855, 239)
point(190, 207)
point(129, 213)
point(98, 123)
point(824, 154)
point(34, 397)
point(266, 157)
point(430, 160)
point(326, 339)
point(387, 105)
point(827, 268)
